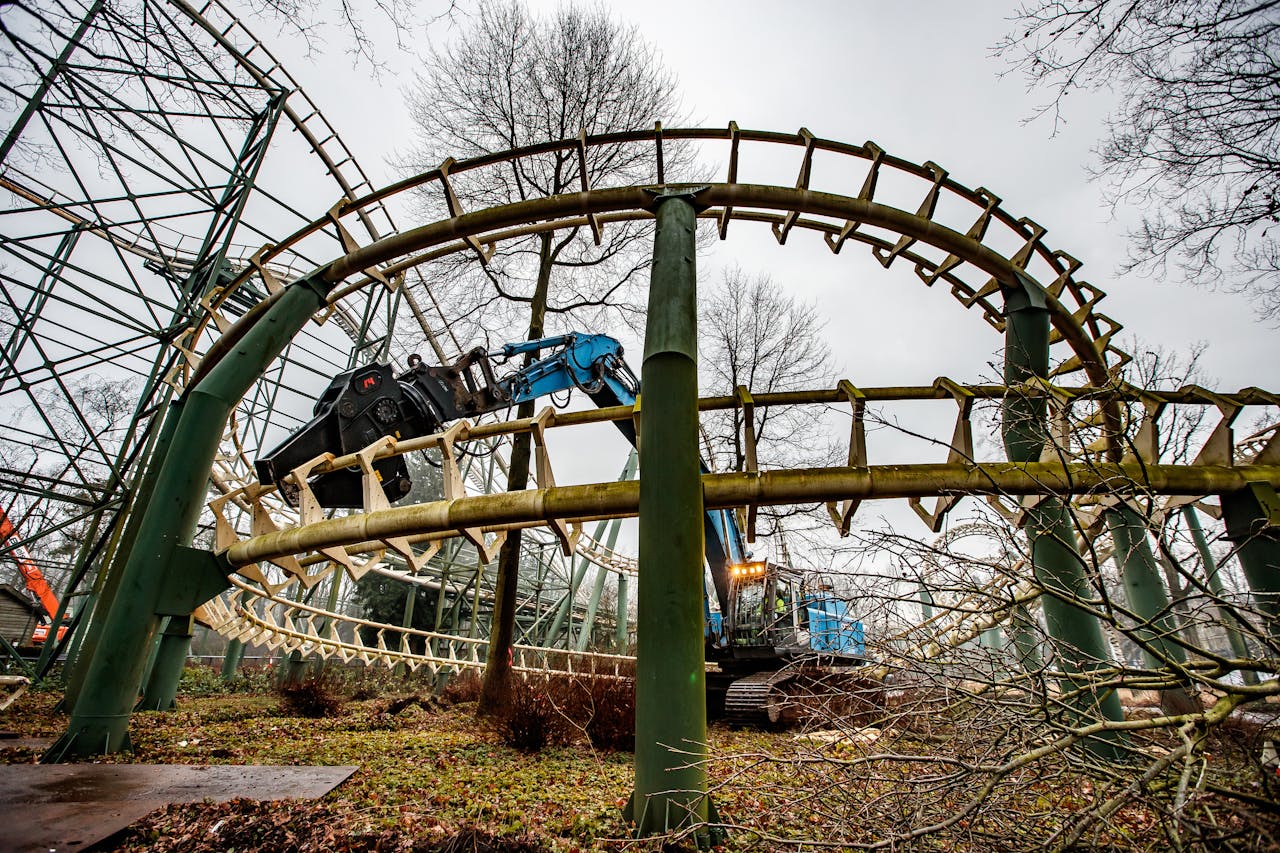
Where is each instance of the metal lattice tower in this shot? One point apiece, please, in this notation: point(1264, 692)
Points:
point(152, 150)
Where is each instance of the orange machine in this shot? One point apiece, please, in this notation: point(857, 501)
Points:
point(34, 579)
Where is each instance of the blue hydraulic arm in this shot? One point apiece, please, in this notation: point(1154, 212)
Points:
point(594, 364)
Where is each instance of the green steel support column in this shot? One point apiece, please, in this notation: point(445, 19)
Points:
point(100, 718)
point(926, 603)
point(162, 685)
point(1145, 592)
point(45, 660)
point(593, 604)
point(628, 471)
point(1076, 634)
point(294, 669)
point(1182, 616)
point(671, 701)
point(475, 599)
point(1026, 639)
point(231, 660)
point(620, 630)
point(1252, 519)
point(326, 624)
point(440, 599)
point(565, 610)
point(127, 525)
point(406, 621)
point(1213, 575)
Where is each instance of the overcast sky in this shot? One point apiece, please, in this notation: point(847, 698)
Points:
point(920, 80)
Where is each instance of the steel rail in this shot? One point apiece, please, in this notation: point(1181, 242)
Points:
point(765, 488)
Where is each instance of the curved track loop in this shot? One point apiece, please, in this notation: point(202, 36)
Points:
point(962, 622)
point(901, 211)
point(278, 623)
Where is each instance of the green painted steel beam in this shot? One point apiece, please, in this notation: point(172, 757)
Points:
point(1213, 577)
point(584, 635)
point(231, 660)
point(1076, 633)
point(620, 632)
point(161, 691)
point(671, 711)
point(1252, 519)
point(100, 717)
point(1156, 631)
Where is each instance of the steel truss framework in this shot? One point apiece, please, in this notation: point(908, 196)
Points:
point(155, 150)
point(150, 259)
point(142, 169)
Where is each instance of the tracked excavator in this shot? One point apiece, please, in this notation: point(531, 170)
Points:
point(766, 624)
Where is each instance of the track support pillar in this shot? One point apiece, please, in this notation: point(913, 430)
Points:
point(162, 685)
point(112, 676)
point(1148, 600)
point(1076, 634)
point(1252, 519)
point(671, 704)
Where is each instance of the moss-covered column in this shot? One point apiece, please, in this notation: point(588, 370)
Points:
point(671, 704)
point(1076, 634)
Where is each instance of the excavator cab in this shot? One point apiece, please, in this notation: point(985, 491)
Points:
point(762, 606)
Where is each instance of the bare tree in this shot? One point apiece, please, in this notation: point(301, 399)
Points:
point(511, 80)
point(753, 333)
point(1194, 139)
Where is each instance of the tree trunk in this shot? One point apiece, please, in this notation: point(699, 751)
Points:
point(495, 694)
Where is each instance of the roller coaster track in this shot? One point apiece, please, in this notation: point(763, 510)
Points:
point(1107, 427)
point(902, 212)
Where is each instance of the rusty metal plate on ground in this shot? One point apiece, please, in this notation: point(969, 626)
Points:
point(67, 807)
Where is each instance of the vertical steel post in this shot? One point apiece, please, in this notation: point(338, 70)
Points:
point(162, 685)
point(1145, 593)
point(1252, 519)
point(1213, 575)
point(926, 603)
point(620, 629)
point(1026, 639)
point(327, 626)
point(231, 660)
point(584, 635)
point(671, 702)
point(565, 610)
point(1076, 634)
point(406, 622)
point(111, 577)
point(593, 604)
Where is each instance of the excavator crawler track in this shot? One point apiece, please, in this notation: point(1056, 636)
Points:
point(756, 701)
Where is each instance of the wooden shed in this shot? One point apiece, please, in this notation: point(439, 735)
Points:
point(18, 615)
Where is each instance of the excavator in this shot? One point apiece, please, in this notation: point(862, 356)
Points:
point(762, 623)
point(35, 583)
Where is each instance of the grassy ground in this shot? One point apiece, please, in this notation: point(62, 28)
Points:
point(427, 778)
point(432, 778)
